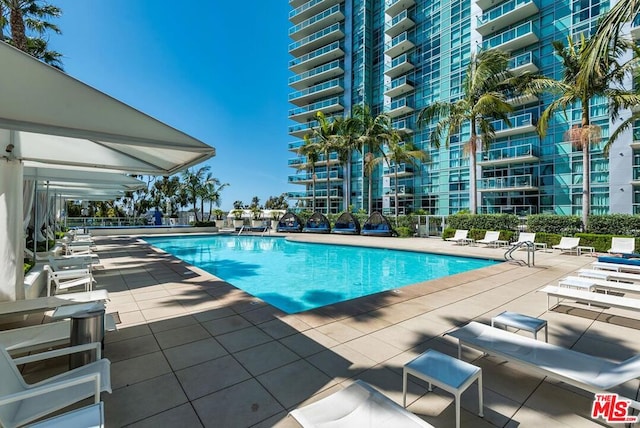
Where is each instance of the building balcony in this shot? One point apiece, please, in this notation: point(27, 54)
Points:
point(315, 41)
point(394, 7)
point(329, 106)
point(635, 178)
point(402, 126)
point(504, 15)
point(300, 130)
point(308, 178)
point(398, 87)
point(302, 161)
point(309, 9)
point(296, 3)
point(403, 191)
point(514, 38)
point(398, 45)
point(515, 183)
point(403, 169)
point(487, 4)
point(398, 66)
point(523, 63)
point(320, 193)
point(398, 24)
point(398, 108)
point(317, 22)
point(520, 124)
point(317, 75)
point(522, 100)
point(635, 28)
point(318, 57)
point(295, 145)
point(526, 153)
point(321, 90)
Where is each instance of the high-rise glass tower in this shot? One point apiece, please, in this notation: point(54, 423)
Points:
point(399, 56)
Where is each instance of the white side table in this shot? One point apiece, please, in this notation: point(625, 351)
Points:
point(446, 372)
point(522, 322)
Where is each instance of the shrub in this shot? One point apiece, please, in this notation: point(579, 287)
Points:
point(28, 264)
point(483, 221)
point(558, 224)
point(615, 224)
point(404, 232)
point(204, 224)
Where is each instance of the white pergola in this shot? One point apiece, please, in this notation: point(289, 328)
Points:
point(48, 117)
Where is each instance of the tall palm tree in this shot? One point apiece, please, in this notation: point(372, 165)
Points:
point(193, 184)
point(369, 141)
point(325, 135)
point(31, 16)
point(572, 90)
point(346, 142)
point(399, 150)
point(311, 151)
point(606, 37)
point(482, 101)
point(212, 193)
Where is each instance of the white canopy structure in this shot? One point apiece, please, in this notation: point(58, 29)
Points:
point(47, 116)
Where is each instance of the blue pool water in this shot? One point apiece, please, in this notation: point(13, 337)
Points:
point(296, 277)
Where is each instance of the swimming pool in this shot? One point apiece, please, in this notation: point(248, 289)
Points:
point(296, 277)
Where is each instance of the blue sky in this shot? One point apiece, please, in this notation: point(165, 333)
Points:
point(216, 70)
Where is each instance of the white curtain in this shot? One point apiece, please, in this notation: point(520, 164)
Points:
point(27, 202)
point(11, 231)
point(41, 214)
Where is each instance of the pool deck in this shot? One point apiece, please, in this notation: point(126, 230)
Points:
point(192, 350)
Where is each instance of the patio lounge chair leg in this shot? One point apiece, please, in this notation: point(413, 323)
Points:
point(480, 400)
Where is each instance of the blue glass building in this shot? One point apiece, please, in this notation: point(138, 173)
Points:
point(398, 56)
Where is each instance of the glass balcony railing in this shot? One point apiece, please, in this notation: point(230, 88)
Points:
point(520, 60)
point(314, 36)
point(326, 67)
point(317, 88)
point(315, 106)
point(636, 172)
point(314, 54)
point(507, 36)
point(507, 153)
point(301, 127)
point(319, 17)
point(515, 181)
point(402, 169)
point(295, 145)
point(402, 102)
point(402, 190)
point(396, 19)
point(401, 124)
point(397, 82)
point(498, 11)
point(525, 119)
point(398, 39)
point(299, 10)
point(333, 175)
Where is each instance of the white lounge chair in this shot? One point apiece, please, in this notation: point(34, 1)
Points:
point(583, 371)
point(86, 417)
point(490, 238)
point(41, 304)
point(567, 245)
point(35, 337)
point(64, 263)
point(622, 245)
point(598, 284)
point(609, 275)
point(358, 405)
point(617, 267)
point(524, 237)
point(590, 297)
point(68, 278)
point(460, 237)
point(21, 403)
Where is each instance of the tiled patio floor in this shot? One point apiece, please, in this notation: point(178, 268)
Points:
point(191, 350)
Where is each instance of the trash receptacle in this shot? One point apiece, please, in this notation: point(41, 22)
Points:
point(86, 327)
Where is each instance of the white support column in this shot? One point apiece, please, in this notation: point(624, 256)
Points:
point(11, 230)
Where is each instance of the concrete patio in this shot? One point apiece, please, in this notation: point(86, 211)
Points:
point(192, 350)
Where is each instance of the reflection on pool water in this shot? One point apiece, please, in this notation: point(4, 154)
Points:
point(296, 277)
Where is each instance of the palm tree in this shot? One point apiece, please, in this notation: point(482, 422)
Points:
point(311, 151)
point(573, 90)
point(369, 141)
point(399, 150)
point(482, 101)
point(346, 142)
point(606, 38)
point(34, 16)
point(193, 184)
point(325, 135)
point(212, 189)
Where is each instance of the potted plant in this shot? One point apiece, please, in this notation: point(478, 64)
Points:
point(218, 213)
point(256, 214)
point(237, 218)
point(275, 219)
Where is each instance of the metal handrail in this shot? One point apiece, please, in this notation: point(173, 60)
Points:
point(531, 253)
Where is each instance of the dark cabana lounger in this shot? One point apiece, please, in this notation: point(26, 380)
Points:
point(346, 224)
point(289, 223)
point(377, 225)
point(317, 223)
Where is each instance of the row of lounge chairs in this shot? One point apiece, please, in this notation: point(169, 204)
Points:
point(22, 403)
point(347, 224)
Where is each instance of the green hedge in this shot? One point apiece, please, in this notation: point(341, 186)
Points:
point(204, 224)
point(615, 224)
point(483, 221)
point(558, 224)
